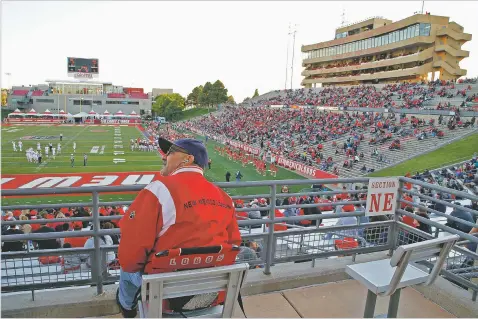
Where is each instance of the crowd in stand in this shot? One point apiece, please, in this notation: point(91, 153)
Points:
point(71, 262)
point(412, 96)
point(300, 134)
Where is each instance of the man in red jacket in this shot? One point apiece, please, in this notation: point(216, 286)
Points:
point(180, 210)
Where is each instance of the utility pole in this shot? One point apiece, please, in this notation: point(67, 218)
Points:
point(287, 59)
point(423, 5)
point(293, 52)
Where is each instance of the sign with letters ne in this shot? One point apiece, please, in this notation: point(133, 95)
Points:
point(382, 196)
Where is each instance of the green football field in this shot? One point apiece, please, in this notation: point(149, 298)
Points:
point(98, 143)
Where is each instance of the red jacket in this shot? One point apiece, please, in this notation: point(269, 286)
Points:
point(182, 210)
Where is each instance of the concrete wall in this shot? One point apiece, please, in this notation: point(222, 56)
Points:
point(157, 91)
point(65, 102)
point(83, 302)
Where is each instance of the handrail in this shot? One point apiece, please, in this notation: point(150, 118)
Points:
point(305, 243)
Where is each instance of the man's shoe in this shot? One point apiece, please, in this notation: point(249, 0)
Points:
point(125, 312)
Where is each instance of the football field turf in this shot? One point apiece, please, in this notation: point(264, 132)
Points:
point(98, 142)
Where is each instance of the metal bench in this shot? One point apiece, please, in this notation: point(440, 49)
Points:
point(195, 281)
point(387, 277)
point(155, 288)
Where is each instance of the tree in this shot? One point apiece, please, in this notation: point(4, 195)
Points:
point(168, 105)
point(193, 97)
point(218, 93)
point(230, 99)
point(4, 97)
point(209, 95)
point(205, 96)
point(256, 93)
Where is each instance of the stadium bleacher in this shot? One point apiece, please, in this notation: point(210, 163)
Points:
point(403, 95)
point(38, 93)
point(20, 92)
point(299, 134)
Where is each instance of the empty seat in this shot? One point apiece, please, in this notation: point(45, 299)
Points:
point(387, 277)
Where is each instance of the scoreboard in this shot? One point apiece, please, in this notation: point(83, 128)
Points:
point(81, 67)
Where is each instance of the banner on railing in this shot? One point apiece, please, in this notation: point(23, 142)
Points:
point(382, 196)
point(304, 169)
point(33, 181)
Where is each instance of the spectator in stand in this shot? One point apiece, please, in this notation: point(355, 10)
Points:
point(46, 243)
point(12, 245)
point(422, 212)
point(461, 214)
point(439, 206)
point(105, 241)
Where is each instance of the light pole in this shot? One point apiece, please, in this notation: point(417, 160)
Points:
point(287, 59)
point(293, 52)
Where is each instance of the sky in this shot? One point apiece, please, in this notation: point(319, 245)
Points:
point(180, 45)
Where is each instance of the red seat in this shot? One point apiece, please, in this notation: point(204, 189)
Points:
point(242, 215)
point(47, 260)
point(346, 243)
point(193, 258)
point(280, 226)
point(304, 222)
point(20, 92)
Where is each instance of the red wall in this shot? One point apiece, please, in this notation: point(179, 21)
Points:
point(133, 90)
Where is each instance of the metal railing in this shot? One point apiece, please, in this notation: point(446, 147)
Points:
point(330, 235)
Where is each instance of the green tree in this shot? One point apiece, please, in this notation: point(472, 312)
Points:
point(256, 93)
point(168, 105)
point(218, 93)
point(230, 99)
point(193, 97)
point(206, 94)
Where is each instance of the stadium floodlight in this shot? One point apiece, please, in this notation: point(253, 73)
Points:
point(293, 53)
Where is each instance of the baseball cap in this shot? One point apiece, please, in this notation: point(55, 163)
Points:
point(194, 147)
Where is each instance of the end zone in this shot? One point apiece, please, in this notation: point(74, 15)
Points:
point(51, 181)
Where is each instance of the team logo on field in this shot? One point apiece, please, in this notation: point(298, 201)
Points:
point(95, 149)
point(37, 137)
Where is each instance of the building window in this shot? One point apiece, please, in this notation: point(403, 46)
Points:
point(81, 102)
point(424, 29)
point(45, 100)
point(123, 102)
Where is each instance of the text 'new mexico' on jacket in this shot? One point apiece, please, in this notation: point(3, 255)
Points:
point(182, 210)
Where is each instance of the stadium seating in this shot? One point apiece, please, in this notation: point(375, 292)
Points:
point(404, 95)
point(37, 93)
point(295, 132)
point(116, 95)
point(138, 95)
point(20, 92)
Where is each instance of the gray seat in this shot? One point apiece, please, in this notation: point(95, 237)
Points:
point(157, 287)
point(387, 277)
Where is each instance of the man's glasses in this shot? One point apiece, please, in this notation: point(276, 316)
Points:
point(175, 148)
